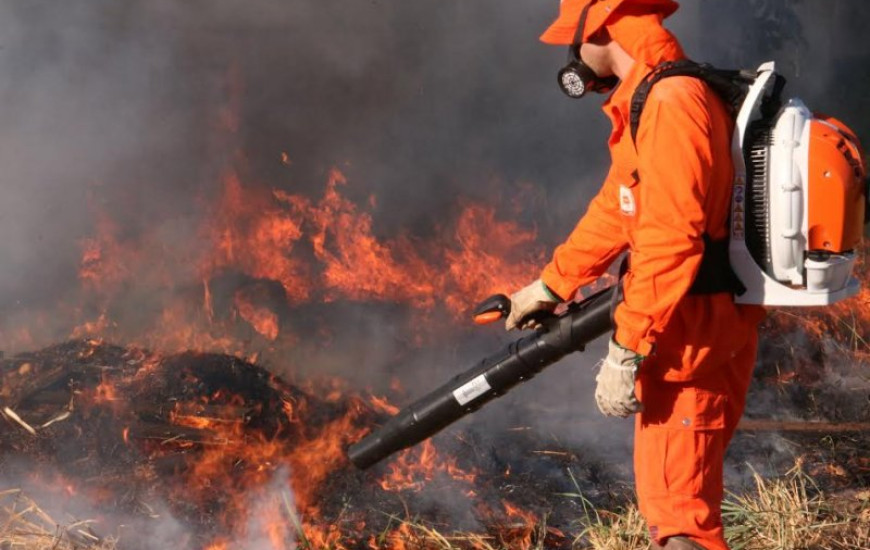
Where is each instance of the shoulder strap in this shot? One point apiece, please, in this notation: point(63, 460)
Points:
point(730, 85)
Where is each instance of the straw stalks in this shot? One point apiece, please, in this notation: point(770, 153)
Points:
point(792, 513)
point(25, 526)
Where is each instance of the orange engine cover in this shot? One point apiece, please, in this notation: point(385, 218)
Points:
point(836, 187)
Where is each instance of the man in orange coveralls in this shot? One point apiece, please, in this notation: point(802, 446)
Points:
point(681, 355)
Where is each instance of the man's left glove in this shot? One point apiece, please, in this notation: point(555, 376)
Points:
point(533, 298)
point(615, 391)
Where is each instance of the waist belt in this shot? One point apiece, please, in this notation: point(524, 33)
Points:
point(715, 273)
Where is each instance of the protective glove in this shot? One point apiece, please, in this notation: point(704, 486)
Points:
point(615, 391)
point(528, 300)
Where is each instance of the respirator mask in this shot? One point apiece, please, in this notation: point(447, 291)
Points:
point(577, 78)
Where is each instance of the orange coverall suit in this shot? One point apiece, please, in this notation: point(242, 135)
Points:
point(700, 348)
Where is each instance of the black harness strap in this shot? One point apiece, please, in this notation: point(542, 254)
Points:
point(730, 85)
point(715, 273)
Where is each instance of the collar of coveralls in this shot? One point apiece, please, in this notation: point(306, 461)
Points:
point(649, 44)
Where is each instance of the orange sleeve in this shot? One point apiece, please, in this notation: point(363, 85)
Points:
point(591, 247)
point(674, 165)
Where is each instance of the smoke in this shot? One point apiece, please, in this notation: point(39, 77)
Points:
point(115, 107)
point(41, 496)
point(419, 103)
point(118, 108)
point(83, 516)
point(272, 503)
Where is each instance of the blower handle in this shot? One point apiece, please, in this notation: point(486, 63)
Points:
point(498, 306)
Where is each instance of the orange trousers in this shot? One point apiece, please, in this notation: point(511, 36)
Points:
point(679, 448)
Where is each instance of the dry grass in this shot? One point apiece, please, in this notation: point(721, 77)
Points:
point(610, 531)
point(605, 530)
point(416, 535)
point(411, 534)
point(25, 526)
point(785, 513)
point(792, 513)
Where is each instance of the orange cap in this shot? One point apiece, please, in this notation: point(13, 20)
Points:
point(563, 29)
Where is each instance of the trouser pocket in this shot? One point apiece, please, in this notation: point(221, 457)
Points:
point(680, 441)
point(679, 448)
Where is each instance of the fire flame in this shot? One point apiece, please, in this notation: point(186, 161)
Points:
point(256, 264)
point(314, 250)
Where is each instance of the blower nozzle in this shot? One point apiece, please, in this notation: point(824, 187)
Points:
point(492, 377)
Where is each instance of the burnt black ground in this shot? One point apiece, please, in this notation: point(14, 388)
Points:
point(123, 483)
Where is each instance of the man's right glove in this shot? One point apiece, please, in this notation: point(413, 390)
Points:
point(533, 298)
point(615, 391)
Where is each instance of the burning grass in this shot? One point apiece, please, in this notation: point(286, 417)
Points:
point(104, 443)
point(211, 452)
point(221, 454)
point(787, 512)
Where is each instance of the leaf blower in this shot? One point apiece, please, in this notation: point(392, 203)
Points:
point(798, 211)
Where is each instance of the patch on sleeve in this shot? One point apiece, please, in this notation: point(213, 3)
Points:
point(626, 201)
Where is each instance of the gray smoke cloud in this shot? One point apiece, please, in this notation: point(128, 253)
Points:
point(113, 105)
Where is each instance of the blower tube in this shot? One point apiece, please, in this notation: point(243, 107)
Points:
point(492, 377)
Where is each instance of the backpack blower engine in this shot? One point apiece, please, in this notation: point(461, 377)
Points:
point(799, 200)
point(797, 215)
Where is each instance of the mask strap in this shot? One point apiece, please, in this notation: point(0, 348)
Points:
point(574, 49)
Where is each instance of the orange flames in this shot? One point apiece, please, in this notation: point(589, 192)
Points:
point(282, 253)
point(105, 392)
point(413, 468)
point(314, 251)
point(381, 404)
point(104, 259)
point(252, 465)
point(847, 321)
point(252, 233)
point(263, 320)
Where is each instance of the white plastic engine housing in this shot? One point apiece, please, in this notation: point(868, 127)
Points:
point(788, 192)
point(787, 279)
